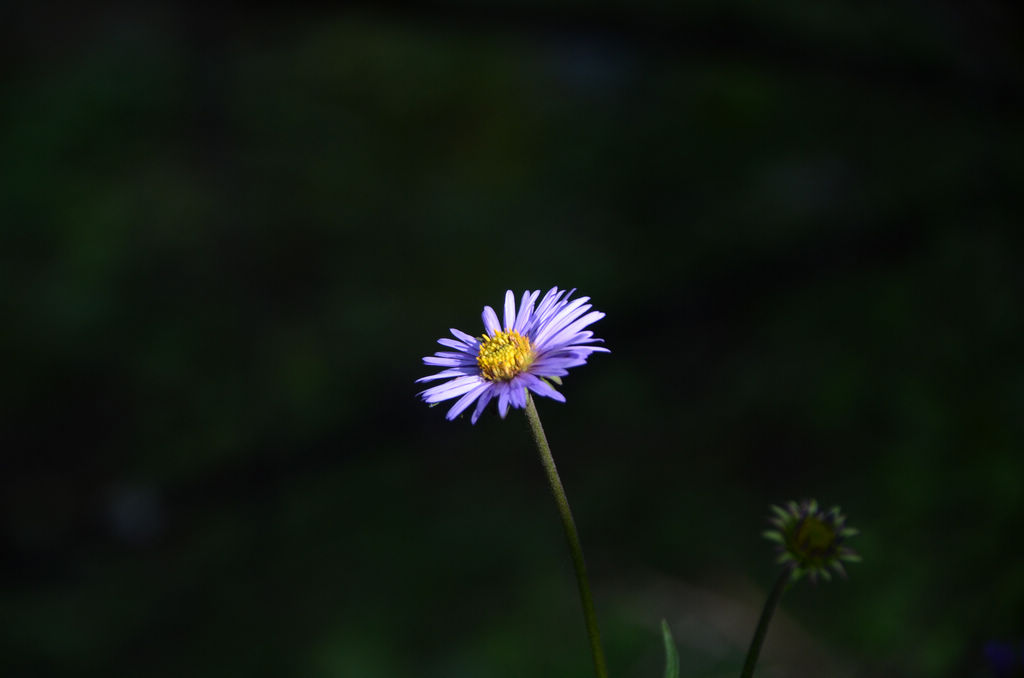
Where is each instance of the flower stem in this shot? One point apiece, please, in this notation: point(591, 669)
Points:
point(762, 624)
point(570, 535)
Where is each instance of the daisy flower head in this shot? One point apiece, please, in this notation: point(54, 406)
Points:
point(811, 541)
point(537, 343)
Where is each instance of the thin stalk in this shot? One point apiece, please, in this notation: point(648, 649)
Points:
point(762, 623)
point(571, 536)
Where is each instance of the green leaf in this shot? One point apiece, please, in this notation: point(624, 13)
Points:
point(671, 655)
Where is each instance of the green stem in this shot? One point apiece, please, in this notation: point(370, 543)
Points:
point(570, 535)
point(762, 623)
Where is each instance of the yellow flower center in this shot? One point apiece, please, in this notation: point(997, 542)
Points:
point(814, 537)
point(504, 355)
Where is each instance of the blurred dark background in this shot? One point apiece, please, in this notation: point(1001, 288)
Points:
point(229, 237)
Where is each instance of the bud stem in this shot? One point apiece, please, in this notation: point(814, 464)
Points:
point(762, 624)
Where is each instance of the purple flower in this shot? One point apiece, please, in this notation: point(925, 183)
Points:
point(538, 343)
point(1003, 660)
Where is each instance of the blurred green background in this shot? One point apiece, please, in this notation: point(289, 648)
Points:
point(229, 238)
